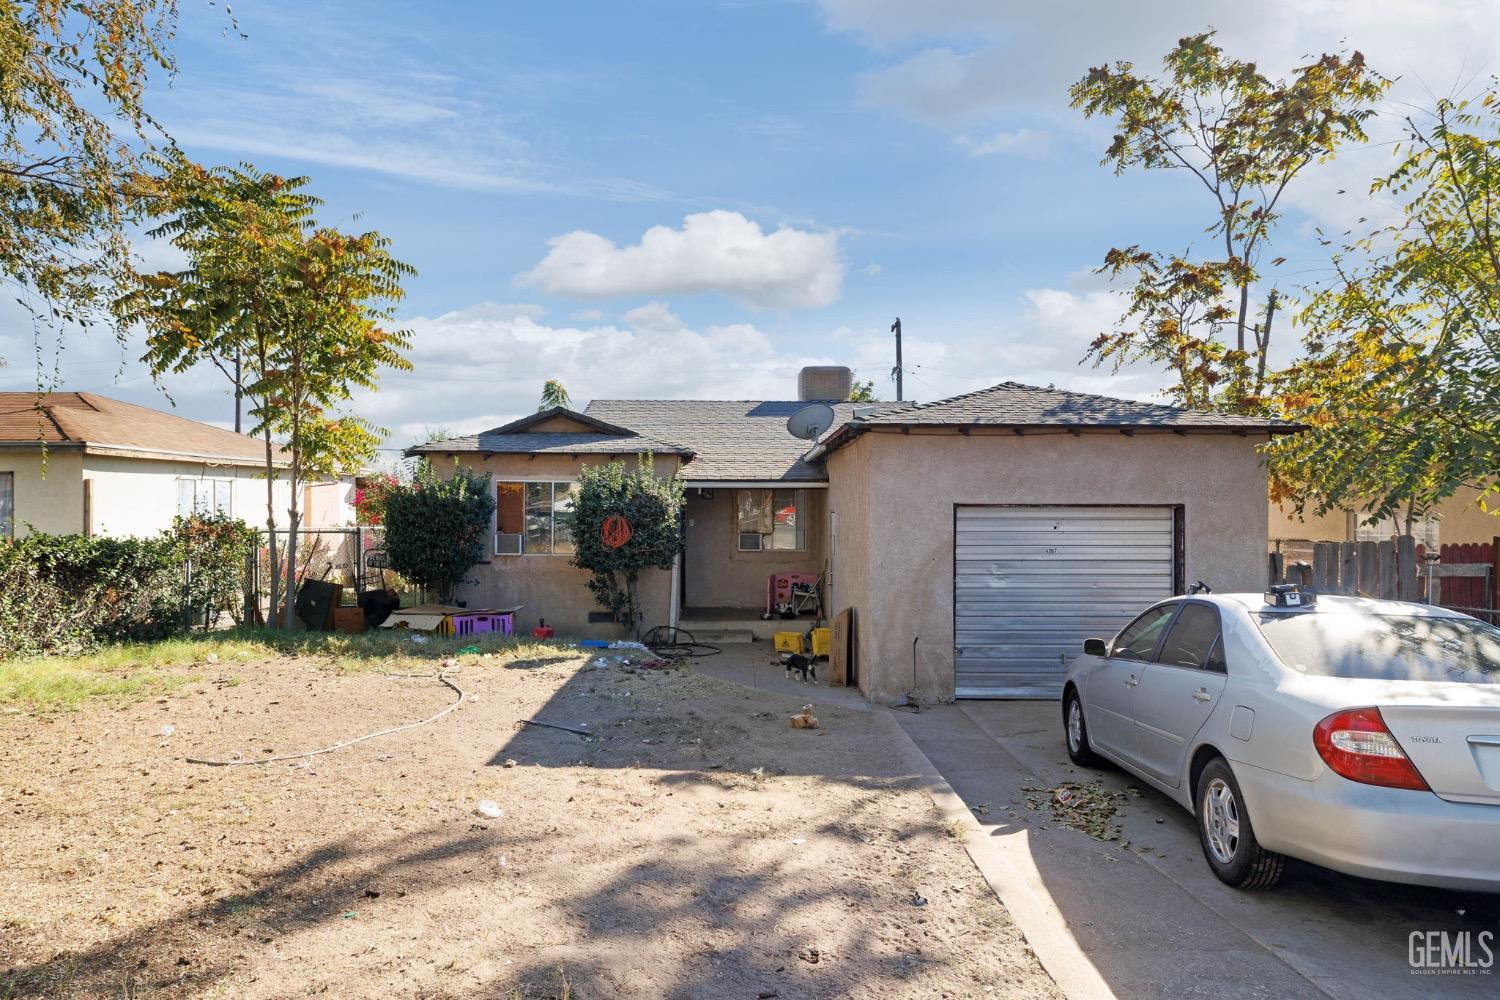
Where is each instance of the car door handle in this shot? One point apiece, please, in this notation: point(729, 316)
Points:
point(1202, 695)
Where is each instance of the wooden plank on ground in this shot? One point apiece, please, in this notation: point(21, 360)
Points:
point(841, 646)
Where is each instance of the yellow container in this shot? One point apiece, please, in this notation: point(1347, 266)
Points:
point(822, 641)
point(788, 642)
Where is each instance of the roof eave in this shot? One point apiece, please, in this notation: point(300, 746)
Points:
point(852, 429)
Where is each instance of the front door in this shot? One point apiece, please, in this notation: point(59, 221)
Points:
point(1178, 692)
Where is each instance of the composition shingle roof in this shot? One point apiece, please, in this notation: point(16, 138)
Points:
point(83, 419)
point(595, 437)
point(734, 440)
point(1011, 404)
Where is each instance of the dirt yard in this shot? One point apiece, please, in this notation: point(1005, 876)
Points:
point(694, 846)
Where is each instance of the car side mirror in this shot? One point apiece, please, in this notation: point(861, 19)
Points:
point(1095, 647)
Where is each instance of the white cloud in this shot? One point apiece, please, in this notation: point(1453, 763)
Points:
point(654, 317)
point(717, 251)
point(959, 65)
point(1026, 142)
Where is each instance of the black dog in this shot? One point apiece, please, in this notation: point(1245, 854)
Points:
point(803, 665)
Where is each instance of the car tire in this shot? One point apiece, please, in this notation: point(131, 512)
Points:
point(1077, 737)
point(1227, 835)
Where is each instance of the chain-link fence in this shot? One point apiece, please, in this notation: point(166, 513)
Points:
point(352, 559)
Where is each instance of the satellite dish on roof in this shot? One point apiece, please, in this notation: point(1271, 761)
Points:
point(810, 422)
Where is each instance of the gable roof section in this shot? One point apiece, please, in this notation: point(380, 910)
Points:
point(1013, 405)
point(99, 424)
point(593, 437)
point(735, 440)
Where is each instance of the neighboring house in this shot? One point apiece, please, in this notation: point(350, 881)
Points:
point(76, 462)
point(978, 539)
point(1458, 519)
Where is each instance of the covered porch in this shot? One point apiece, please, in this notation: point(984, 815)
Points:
point(736, 537)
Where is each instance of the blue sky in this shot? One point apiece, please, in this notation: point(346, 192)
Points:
point(800, 172)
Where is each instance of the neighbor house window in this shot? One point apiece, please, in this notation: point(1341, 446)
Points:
point(767, 520)
point(7, 504)
point(203, 496)
point(529, 518)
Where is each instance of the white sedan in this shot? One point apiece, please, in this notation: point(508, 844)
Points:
point(1360, 735)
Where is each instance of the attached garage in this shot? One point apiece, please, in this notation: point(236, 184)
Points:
point(1030, 583)
point(980, 539)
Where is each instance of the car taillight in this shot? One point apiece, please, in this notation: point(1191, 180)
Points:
point(1356, 744)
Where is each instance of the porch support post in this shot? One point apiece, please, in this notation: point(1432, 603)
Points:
point(676, 606)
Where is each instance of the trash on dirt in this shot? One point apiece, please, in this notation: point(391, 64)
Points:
point(798, 842)
point(448, 662)
point(626, 644)
point(420, 640)
point(917, 899)
point(805, 719)
point(350, 914)
point(489, 808)
point(469, 649)
point(168, 730)
point(509, 762)
point(1089, 808)
point(212, 657)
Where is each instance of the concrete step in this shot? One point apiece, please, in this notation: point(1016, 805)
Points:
point(715, 636)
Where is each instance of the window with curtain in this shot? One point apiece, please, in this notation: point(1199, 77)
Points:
point(770, 520)
point(7, 504)
point(204, 496)
point(528, 518)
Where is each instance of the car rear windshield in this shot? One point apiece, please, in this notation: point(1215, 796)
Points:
point(1385, 647)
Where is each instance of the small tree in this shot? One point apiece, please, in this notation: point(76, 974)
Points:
point(651, 508)
point(435, 528)
point(863, 392)
point(554, 395)
point(1244, 138)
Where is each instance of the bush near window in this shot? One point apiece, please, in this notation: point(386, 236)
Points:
point(437, 529)
point(66, 593)
point(651, 505)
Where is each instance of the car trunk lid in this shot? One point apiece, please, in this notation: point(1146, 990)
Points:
point(1456, 747)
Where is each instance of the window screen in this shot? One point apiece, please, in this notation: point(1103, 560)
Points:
point(770, 520)
point(7, 504)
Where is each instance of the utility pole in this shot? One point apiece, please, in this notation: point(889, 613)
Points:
point(238, 390)
point(896, 329)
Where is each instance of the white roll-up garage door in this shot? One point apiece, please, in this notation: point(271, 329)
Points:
point(1031, 583)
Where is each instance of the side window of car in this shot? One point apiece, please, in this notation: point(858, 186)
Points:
point(1193, 639)
point(1138, 640)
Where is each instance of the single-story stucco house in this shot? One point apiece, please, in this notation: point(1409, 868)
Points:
point(978, 539)
point(81, 463)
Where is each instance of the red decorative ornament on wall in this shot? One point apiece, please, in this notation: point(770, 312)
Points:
point(615, 532)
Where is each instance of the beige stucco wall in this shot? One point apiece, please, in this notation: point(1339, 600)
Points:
point(549, 586)
point(899, 575)
point(48, 492)
point(719, 575)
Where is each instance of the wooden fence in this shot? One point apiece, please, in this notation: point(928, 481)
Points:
point(1459, 576)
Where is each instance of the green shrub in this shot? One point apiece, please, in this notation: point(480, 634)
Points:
point(65, 593)
point(436, 529)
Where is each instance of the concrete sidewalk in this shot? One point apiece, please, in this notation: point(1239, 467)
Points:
point(1151, 919)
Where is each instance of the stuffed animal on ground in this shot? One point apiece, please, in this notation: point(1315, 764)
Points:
point(803, 665)
point(805, 719)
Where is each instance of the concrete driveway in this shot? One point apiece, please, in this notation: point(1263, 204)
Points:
point(1152, 918)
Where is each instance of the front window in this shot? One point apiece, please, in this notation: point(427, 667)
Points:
point(203, 496)
point(770, 520)
point(1138, 640)
point(7, 504)
point(529, 518)
point(1385, 647)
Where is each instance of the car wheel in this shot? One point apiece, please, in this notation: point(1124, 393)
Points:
point(1076, 733)
point(1227, 835)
